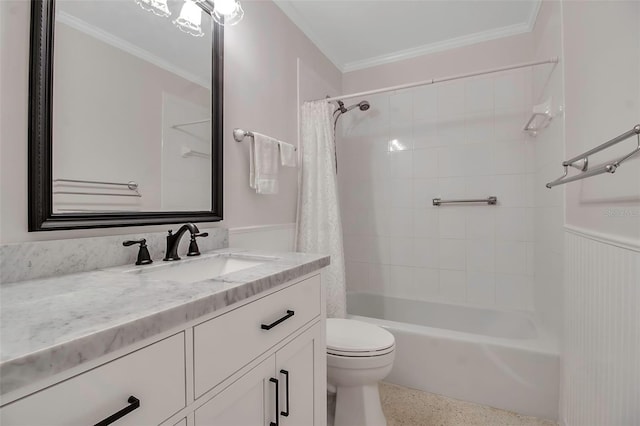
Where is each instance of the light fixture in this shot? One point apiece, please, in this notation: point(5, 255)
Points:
point(227, 12)
point(158, 7)
point(224, 12)
point(190, 19)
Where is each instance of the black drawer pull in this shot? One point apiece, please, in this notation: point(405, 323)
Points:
point(134, 403)
point(286, 383)
point(273, 324)
point(277, 422)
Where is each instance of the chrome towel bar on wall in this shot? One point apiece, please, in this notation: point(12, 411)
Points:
point(493, 200)
point(131, 186)
point(581, 162)
point(239, 135)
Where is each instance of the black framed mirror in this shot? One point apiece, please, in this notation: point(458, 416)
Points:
point(145, 150)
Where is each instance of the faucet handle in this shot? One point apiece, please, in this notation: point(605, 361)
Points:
point(143, 254)
point(193, 245)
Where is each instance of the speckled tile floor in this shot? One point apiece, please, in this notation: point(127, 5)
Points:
point(409, 407)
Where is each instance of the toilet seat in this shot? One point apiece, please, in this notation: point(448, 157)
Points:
point(357, 339)
point(364, 354)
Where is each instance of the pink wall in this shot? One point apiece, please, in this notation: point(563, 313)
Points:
point(260, 94)
point(89, 146)
point(487, 54)
point(602, 66)
point(601, 373)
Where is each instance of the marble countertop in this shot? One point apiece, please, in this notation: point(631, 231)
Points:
point(51, 325)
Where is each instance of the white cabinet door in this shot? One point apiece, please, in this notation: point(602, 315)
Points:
point(243, 335)
point(300, 367)
point(296, 374)
point(250, 401)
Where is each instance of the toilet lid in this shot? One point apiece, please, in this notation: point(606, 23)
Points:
point(351, 336)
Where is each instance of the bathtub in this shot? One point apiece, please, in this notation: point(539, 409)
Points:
point(490, 357)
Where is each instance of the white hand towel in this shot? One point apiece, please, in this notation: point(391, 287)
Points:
point(288, 155)
point(263, 164)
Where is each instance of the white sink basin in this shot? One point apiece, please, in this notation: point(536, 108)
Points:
point(193, 270)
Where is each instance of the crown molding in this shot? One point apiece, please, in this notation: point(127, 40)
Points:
point(440, 46)
point(511, 30)
point(112, 40)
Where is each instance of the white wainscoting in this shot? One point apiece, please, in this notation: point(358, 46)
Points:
point(601, 377)
point(279, 237)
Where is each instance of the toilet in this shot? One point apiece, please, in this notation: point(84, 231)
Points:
point(359, 355)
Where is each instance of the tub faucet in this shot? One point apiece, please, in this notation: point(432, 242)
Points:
point(173, 241)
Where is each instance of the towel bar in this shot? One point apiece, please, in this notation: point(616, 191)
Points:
point(239, 135)
point(493, 200)
point(581, 162)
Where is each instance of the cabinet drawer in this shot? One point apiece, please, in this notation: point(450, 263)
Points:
point(225, 344)
point(155, 375)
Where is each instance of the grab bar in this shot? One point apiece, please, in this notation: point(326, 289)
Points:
point(490, 201)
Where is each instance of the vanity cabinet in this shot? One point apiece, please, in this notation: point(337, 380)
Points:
point(260, 363)
point(280, 390)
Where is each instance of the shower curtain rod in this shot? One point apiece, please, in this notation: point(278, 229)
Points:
point(553, 60)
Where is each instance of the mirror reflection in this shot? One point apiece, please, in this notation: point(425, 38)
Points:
point(132, 107)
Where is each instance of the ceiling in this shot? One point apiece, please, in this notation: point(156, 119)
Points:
point(357, 34)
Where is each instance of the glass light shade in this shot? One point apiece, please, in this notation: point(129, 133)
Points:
point(190, 19)
point(225, 7)
point(158, 7)
point(227, 12)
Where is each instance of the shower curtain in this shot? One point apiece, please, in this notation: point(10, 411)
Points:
point(319, 229)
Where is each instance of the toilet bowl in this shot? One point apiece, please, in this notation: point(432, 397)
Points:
point(358, 356)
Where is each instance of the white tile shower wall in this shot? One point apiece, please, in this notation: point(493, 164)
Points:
point(547, 151)
point(456, 140)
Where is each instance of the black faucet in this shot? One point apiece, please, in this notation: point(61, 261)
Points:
point(173, 241)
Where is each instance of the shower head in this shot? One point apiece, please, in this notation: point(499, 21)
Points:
point(363, 106)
